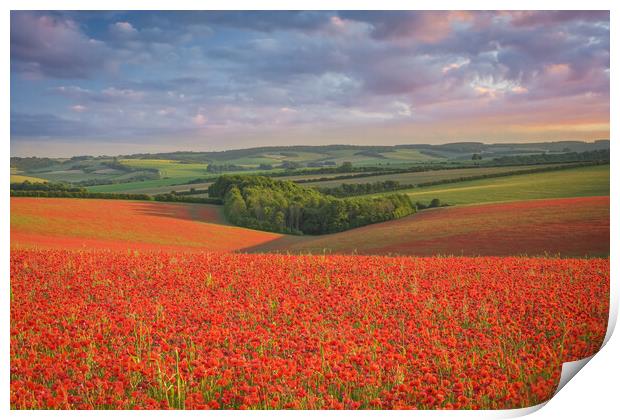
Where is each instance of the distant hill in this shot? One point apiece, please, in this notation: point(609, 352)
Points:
point(446, 151)
point(145, 171)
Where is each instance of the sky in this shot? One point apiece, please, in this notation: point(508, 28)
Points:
point(126, 82)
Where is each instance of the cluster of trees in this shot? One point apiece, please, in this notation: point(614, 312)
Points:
point(348, 190)
point(435, 202)
point(44, 186)
point(218, 168)
point(282, 206)
point(191, 191)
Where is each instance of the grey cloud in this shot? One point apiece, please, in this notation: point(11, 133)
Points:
point(44, 45)
point(46, 125)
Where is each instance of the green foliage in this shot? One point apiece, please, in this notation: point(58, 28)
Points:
point(225, 167)
point(435, 202)
point(287, 164)
point(346, 167)
point(600, 156)
point(44, 186)
point(78, 194)
point(283, 206)
point(347, 190)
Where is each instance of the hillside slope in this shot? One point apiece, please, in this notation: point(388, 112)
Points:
point(118, 224)
point(569, 227)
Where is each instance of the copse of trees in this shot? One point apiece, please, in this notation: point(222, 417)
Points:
point(283, 206)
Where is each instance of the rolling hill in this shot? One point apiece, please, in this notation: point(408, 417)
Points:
point(569, 227)
point(118, 224)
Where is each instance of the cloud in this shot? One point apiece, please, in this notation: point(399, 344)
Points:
point(108, 95)
point(199, 120)
point(43, 45)
point(123, 29)
point(78, 108)
point(536, 18)
point(199, 73)
point(263, 21)
point(423, 26)
point(47, 126)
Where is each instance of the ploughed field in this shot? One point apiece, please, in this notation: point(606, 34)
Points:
point(118, 329)
point(568, 227)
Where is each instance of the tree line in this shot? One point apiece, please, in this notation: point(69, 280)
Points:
point(283, 206)
point(596, 156)
point(58, 190)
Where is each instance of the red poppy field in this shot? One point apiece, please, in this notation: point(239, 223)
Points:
point(68, 223)
point(128, 329)
point(570, 227)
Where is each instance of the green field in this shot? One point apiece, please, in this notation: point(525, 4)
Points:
point(576, 182)
point(169, 168)
point(165, 172)
point(88, 169)
point(140, 187)
point(156, 187)
point(164, 185)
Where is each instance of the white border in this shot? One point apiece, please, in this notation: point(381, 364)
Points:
point(592, 394)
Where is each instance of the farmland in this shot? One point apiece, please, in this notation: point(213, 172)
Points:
point(142, 304)
point(306, 209)
point(179, 181)
point(150, 186)
point(576, 182)
point(113, 224)
point(426, 176)
point(164, 172)
point(569, 227)
point(172, 330)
